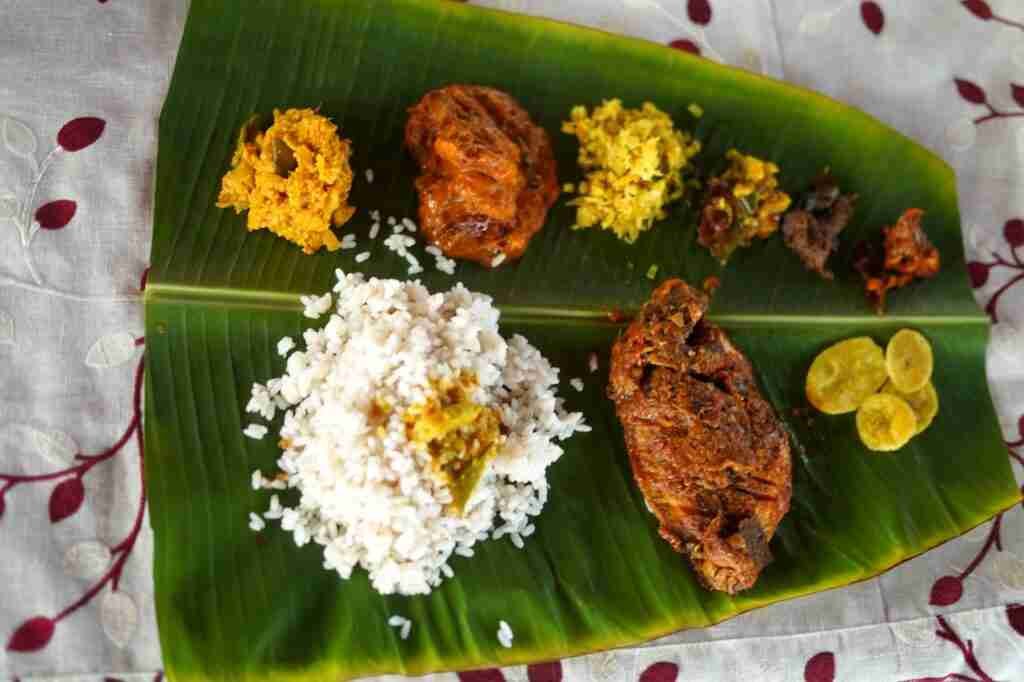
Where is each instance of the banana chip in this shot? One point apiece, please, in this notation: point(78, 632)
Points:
point(908, 359)
point(924, 403)
point(886, 422)
point(845, 374)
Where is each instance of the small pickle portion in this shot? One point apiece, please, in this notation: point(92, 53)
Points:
point(885, 422)
point(907, 254)
point(461, 436)
point(908, 360)
point(924, 402)
point(844, 375)
point(742, 204)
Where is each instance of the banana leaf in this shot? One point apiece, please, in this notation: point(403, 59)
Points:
point(233, 605)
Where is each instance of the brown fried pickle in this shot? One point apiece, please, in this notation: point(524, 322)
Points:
point(812, 231)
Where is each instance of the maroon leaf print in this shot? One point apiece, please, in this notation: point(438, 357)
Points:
point(32, 635)
point(56, 214)
point(699, 11)
point(662, 671)
point(1013, 232)
point(144, 279)
point(978, 272)
point(969, 91)
point(685, 45)
point(1015, 614)
point(946, 590)
point(545, 672)
point(978, 8)
point(2, 505)
point(1018, 93)
point(821, 667)
point(79, 133)
point(66, 498)
point(485, 675)
point(872, 16)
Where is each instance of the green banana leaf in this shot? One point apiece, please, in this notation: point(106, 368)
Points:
point(233, 605)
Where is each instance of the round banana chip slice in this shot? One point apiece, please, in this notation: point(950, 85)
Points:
point(908, 359)
point(924, 403)
point(845, 374)
point(885, 422)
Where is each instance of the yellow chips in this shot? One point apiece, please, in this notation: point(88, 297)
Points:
point(908, 359)
point(850, 376)
point(844, 375)
point(924, 403)
point(885, 422)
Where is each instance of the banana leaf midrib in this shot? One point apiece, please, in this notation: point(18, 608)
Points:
point(289, 302)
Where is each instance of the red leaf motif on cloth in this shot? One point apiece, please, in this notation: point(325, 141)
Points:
point(1013, 232)
point(66, 498)
point(2, 506)
point(1018, 93)
point(143, 279)
point(485, 675)
point(969, 91)
point(821, 667)
point(56, 214)
point(978, 8)
point(662, 671)
point(946, 590)
point(699, 11)
point(1015, 614)
point(545, 672)
point(872, 16)
point(79, 133)
point(978, 272)
point(32, 635)
point(685, 45)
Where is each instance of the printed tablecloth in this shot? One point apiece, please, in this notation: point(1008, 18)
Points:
point(81, 85)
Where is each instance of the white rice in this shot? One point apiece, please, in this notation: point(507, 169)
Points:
point(255, 431)
point(348, 242)
point(369, 497)
point(577, 383)
point(505, 634)
point(285, 345)
point(498, 260)
point(363, 257)
point(256, 522)
point(409, 224)
point(314, 306)
point(374, 230)
point(369, 175)
point(592, 362)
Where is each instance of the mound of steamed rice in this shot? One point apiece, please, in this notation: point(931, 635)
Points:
point(368, 495)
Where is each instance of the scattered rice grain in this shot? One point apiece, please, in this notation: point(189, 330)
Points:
point(255, 431)
point(363, 257)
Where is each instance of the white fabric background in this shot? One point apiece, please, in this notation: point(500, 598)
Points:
point(61, 59)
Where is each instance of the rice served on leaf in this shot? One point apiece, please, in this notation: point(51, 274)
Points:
point(412, 430)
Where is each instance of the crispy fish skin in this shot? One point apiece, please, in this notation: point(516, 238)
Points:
point(707, 450)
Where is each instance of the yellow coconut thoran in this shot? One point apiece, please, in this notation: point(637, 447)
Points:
point(293, 179)
point(742, 204)
point(634, 160)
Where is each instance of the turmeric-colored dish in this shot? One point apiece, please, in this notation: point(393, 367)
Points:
point(293, 179)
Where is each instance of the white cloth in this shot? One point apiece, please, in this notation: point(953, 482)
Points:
point(67, 331)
